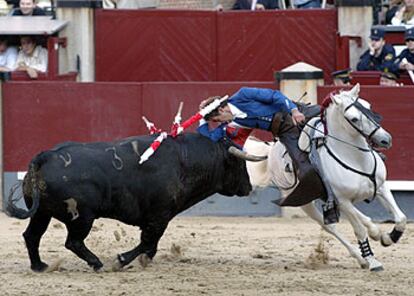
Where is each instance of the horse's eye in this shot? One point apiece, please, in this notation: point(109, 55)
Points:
point(354, 120)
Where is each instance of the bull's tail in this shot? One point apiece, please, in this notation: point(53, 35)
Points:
point(32, 178)
point(13, 211)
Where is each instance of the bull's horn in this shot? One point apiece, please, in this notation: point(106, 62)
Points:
point(244, 155)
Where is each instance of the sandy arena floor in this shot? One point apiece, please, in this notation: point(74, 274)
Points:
point(208, 256)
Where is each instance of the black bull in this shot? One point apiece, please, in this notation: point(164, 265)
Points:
point(77, 183)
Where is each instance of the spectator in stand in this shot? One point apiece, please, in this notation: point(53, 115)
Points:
point(8, 56)
point(28, 8)
point(379, 56)
point(306, 4)
point(342, 77)
point(255, 4)
point(405, 61)
point(404, 14)
point(394, 5)
point(32, 58)
point(388, 79)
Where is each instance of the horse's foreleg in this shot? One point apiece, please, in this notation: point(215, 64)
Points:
point(386, 198)
point(311, 210)
point(374, 231)
point(360, 231)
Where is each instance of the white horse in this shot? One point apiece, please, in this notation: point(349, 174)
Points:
point(353, 169)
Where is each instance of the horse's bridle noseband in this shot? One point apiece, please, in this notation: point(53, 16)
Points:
point(373, 117)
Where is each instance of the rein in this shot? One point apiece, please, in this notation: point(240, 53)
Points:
point(371, 176)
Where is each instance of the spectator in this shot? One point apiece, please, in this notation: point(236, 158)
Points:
point(379, 56)
point(405, 14)
point(342, 77)
point(405, 61)
point(255, 4)
point(388, 79)
point(28, 8)
point(305, 4)
point(32, 58)
point(394, 5)
point(8, 56)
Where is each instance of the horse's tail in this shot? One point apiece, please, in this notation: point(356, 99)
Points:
point(30, 189)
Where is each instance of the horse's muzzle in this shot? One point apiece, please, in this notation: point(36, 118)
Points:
point(381, 139)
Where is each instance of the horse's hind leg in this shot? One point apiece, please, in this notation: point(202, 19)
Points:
point(386, 198)
point(78, 230)
point(311, 210)
point(36, 228)
point(360, 231)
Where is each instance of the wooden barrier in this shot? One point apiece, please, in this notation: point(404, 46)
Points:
point(168, 45)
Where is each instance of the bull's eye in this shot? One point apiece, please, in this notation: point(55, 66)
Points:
point(354, 120)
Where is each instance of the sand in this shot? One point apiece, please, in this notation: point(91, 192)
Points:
point(208, 256)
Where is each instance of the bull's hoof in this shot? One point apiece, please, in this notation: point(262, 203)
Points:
point(116, 264)
point(144, 260)
point(41, 267)
point(97, 267)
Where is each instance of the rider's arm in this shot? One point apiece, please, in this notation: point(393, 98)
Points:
point(214, 134)
point(267, 96)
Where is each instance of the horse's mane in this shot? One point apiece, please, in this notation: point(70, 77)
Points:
point(324, 105)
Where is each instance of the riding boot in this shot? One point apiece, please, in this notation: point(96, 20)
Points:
point(310, 186)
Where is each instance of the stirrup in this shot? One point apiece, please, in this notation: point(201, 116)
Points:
point(330, 212)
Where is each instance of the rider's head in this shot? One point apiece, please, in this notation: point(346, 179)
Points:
point(221, 114)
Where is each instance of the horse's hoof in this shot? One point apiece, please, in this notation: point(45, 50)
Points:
point(386, 240)
point(144, 260)
point(39, 267)
point(374, 264)
point(377, 268)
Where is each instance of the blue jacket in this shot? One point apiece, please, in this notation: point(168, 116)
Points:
point(260, 104)
point(384, 62)
point(405, 54)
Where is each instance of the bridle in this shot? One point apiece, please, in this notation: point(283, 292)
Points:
point(374, 118)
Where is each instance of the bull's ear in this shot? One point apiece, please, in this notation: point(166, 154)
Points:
point(354, 92)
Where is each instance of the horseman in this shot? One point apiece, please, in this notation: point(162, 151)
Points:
point(267, 109)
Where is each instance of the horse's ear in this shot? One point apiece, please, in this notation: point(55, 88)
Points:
point(336, 99)
point(354, 92)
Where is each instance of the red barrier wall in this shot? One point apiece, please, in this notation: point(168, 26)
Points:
point(396, 106)
point(167, 45)
point(57, 112)
point(38, 115)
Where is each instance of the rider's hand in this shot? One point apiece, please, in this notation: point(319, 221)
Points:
point(297, 117)
point(204, 103)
